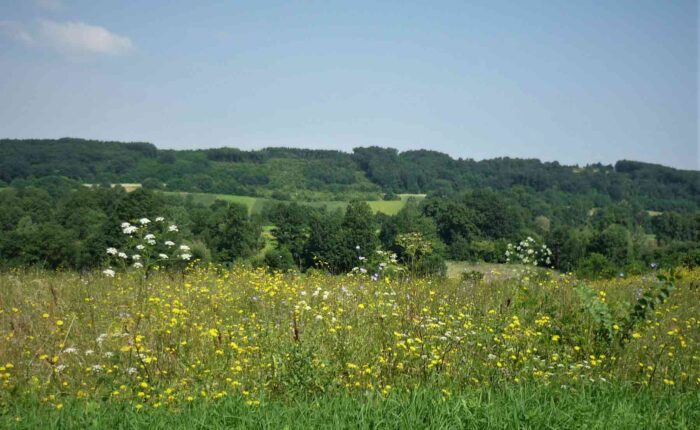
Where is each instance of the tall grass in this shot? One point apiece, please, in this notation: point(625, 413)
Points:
point(602, 407)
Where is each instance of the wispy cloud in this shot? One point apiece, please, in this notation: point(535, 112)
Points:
point(70, 37)
point(78, 37)
point(16, 31)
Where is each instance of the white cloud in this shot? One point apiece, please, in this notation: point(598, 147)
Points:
point(78, 37)
point(68, 37)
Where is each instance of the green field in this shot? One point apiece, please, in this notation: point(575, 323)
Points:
point(255, 205)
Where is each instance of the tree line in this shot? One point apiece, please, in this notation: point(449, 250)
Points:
point(366, 173)
point(55, 222)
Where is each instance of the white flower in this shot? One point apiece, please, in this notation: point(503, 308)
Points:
point(357, 247)
point(160, 219)
point(123, 255)
point(149, 236)
point(89, 352)
point(138, 265)
point(136, 257)
point(60, 367)
point(163, 256)
point(108, 354)
point(144, 221)
point(125, 224)
point(131, 370)
point(184, 247)
point(186, 256)
point(70, 350)
point(101, 338)
point(129, 229)
point(97, 368)
point(109, 273)
point(140, 247)
point(169, 243)
point(112, 251)
point(151, 241)
point(172, 227)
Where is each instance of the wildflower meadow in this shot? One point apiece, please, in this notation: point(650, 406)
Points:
point(149, 343)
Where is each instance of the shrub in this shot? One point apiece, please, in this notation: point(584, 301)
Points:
point(279, 259)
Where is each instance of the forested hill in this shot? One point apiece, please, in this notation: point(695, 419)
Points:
point(367, 171)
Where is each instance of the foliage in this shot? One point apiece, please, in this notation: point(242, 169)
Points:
point(598, 221)
point(279, 259)
point(370, 170)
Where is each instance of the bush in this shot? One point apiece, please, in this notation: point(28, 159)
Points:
point(152, 184)
point(281, 195)
point(596, 266)
point(391, 196)
point(432, 265)
point(279, 259)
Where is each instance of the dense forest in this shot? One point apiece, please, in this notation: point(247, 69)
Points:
point(365, 173)
point(597, 220)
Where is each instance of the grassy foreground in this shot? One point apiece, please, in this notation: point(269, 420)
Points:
point(215, 347)
point(602, 407)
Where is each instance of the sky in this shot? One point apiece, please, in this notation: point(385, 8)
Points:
point(578, 82)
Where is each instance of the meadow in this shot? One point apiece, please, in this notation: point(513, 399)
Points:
point(244, 347)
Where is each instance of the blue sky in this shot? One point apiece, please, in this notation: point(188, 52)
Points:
point(573, 81)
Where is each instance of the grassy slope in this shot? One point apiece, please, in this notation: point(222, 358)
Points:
point(536, 407)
